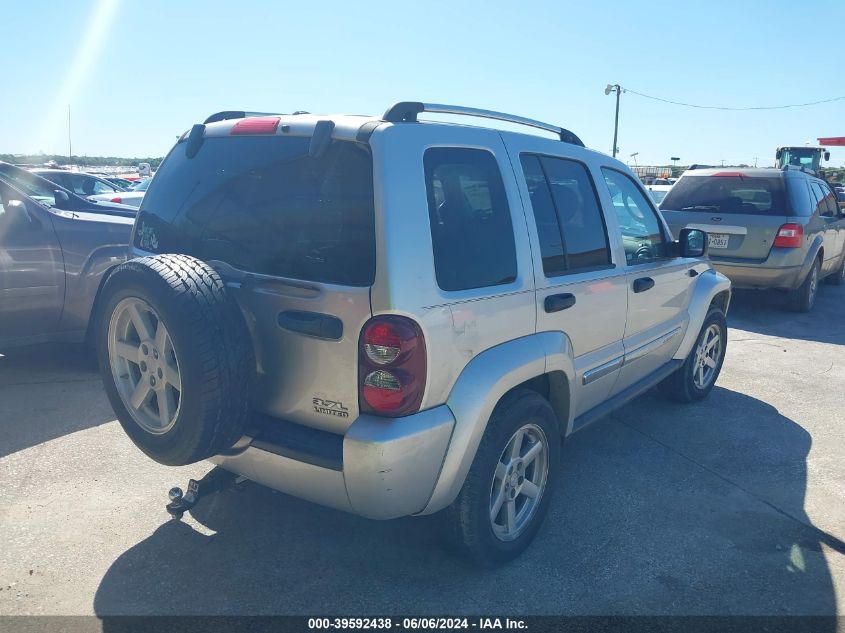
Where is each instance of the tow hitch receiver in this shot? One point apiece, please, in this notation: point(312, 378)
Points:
point(215, 480)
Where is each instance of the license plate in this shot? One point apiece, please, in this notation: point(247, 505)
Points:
point(718, 240)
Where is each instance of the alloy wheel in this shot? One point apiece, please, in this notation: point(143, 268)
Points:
point(144, 365)
point(519, 482)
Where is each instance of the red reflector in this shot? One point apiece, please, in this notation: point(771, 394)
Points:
point(117, 199)
point(729, 174)
point(789, 236)
point(256, 125)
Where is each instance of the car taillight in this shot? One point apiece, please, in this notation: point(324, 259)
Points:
point(117, 199)
point(391, 366)
point(255, 125)
point(790, 236)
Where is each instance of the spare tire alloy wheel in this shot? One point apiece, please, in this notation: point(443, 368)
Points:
point(144, 365)
point(519, 482)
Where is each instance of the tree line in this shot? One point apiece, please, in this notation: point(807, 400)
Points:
point(82, 161)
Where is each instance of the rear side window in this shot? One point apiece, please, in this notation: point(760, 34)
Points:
point(800, 198)
point(569, 221)
point(262, 204)
point(471, 228)
point(826, 204)
point(728, 194)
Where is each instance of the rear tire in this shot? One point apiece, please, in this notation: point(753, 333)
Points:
point(175, 358)
point(803, 298)
point(837, 277)
point(695, 379)
point(491, 535)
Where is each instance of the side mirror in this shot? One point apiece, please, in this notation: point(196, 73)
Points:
point(827, 156)
point(61, 197)
point(692, 243)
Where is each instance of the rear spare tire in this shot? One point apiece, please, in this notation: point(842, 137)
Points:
point(175, 358)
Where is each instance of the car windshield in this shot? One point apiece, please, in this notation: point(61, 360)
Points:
point(728, 194)
point(142, 185)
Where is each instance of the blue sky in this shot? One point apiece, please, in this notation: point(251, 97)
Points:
point(136, 74)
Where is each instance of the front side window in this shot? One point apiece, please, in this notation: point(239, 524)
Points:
point(642, 235)
point(471, 228)
point(88, 186)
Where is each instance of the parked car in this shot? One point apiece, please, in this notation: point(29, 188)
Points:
point(658, 192)
point(79, 182)
point(391, 318)
point(55, 250)
point(767, 228)
point(132, 197)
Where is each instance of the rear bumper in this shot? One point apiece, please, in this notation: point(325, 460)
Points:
point(388, 468)
point(760, 275)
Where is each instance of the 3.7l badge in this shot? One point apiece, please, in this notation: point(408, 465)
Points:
point(330, 407)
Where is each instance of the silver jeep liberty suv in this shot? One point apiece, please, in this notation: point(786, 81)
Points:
point(394, 317)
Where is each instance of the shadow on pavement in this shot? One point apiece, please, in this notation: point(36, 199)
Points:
point(664, 509)
point(48, 391)
point(766, 312)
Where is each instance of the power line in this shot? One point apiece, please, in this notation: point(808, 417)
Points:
point(710, 107)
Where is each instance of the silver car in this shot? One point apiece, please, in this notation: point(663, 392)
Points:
point(394, 317)
point(768, 228)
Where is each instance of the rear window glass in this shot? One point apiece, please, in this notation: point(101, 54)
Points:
point(260, 203)
point(728, 194)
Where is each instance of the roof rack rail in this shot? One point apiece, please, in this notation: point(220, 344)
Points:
point(407, 111)
point(234, 114)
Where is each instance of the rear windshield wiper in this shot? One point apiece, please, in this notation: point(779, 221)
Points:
point(701, 207)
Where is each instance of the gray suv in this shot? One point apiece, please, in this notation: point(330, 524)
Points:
point(767, 228)
point(393, 317)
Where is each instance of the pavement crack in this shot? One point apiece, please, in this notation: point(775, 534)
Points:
point(828, 539)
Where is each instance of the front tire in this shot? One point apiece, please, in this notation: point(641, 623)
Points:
point(175, 358)
point(695, 379)
point(507, 492)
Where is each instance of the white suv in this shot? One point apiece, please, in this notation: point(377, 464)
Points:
point(393, 317)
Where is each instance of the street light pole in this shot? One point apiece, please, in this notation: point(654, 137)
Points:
point(618, 89)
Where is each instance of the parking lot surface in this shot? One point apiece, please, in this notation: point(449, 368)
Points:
point(735, 505)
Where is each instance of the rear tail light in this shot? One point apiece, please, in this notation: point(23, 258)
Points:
point(790, 236)
point(391, 366)
point(117, 199)
point(255, 125)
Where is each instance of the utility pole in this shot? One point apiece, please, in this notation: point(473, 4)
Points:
point(618, 89)
point(69, 145)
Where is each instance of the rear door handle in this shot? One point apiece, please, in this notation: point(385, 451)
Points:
point(556, 303)
point(643, 283)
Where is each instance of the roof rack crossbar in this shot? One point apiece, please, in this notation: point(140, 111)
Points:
point(407, 111)
point(234, 114)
